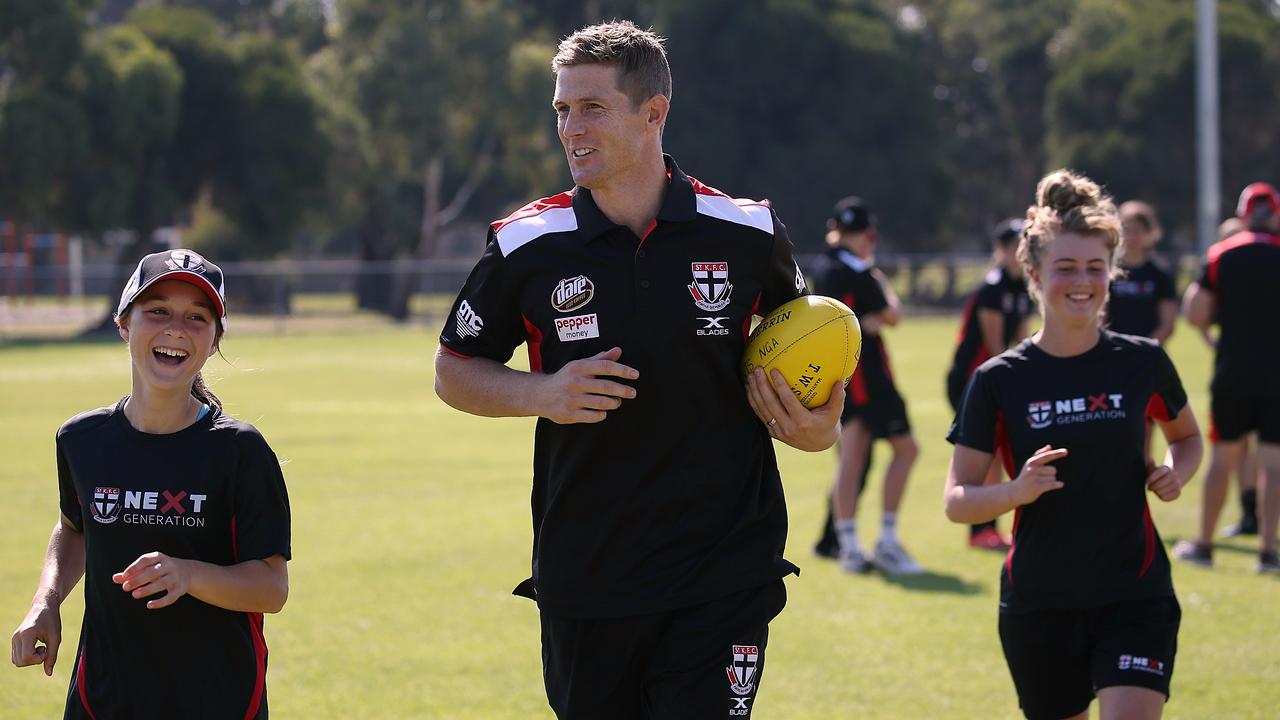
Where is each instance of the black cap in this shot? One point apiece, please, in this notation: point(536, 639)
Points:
point(852, 214)
point(185, 265)
point(1009, 230)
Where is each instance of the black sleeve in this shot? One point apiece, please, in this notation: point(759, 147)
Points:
point(261, 519)
point(485, 319)
point(868, 294)
point(68, 498)
point(989, 296)
point(1205, 278)
point(1165, 289)
point(975, 423)
point(783, 280)
point(1168, 397)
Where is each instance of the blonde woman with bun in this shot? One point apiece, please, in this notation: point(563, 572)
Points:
point(1087, 606)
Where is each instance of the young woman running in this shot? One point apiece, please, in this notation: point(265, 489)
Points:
point(1087, 606)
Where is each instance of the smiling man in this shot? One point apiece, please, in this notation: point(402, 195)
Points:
point(658, 514)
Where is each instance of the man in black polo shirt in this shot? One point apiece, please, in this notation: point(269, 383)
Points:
point(658, 513)
point(1238, 290)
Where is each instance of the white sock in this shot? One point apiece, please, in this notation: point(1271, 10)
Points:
point(847, 535)
point(889, 527)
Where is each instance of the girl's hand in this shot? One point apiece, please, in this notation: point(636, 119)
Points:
point(42, 624)
point(1165, 483)
point(154, 573)
point(1037, 476)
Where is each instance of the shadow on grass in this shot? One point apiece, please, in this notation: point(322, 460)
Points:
point(930, 581)
point(1247, 545)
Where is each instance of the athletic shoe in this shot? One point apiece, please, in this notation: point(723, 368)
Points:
point(989, 538)
point(1189, 551)
point(854, 561)
point(1246, 526)
point(1268, 562)
point(892, 559)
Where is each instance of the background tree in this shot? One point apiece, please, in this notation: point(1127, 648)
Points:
point(1121, 104)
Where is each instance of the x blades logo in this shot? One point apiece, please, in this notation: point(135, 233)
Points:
point(713, 326)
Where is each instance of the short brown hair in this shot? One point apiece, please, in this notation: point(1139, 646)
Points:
point(1068, 202)
point(638, 54)
point(1143, 214)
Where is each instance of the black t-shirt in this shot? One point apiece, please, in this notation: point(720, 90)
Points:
point(675, 498)
point(1002, 293)
point(211, 492)
point(839, 274)
point(1136, 297)
point(1243, 273)
point(1091, 542)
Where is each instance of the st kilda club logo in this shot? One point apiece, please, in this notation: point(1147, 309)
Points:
point(105, 507)
point(711, 287)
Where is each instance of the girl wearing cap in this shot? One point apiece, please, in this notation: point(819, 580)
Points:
point(177, 516)
point(1087, 606)
point(994, 318)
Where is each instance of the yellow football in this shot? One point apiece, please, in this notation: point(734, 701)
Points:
point(814, 341)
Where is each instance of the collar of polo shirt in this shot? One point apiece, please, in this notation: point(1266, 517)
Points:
point(679, 205)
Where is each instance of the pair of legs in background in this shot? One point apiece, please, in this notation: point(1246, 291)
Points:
point(1238, 408)
point(860, 427)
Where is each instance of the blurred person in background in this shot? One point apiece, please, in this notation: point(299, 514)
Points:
point(995, 317)
point(1143, 299)
point(873, 409)
point(1238, 286)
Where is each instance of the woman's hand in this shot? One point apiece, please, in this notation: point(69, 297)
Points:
point(154, 573)
point(1037, 476)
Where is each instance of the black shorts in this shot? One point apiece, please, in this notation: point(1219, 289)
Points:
point(1240, 405)
point(1060, 659)
point(885, 412)
point(697, 662)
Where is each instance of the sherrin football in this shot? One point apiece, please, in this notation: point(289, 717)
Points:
point(814, 341)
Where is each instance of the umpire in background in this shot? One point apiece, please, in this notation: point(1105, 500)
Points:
point(658, 515)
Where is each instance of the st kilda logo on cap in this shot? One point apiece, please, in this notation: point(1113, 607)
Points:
point(572, 293)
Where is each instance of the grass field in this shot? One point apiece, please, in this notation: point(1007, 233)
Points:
point(411, 525)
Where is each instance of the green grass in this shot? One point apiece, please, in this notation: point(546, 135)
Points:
point(411, 525)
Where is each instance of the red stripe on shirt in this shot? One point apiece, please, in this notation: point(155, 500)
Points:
point(1156, 409)
point(84, 699)
point(537, 207)
point(453, 352)
point(1148, 538)
point(533, 338)
point(260, 665)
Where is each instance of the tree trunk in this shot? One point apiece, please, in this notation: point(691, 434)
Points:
point(373, 289)
point(126, 260)
point(435, 218)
